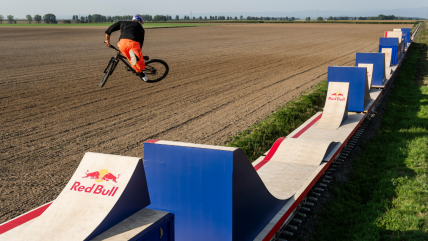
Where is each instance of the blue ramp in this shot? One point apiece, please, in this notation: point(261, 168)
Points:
point(214, 192)
point(359, 96)
point(393, 44)
point(378, 61)
point(406, 35)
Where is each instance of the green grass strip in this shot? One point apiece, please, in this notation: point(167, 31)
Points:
point(259, 138)
point(386, 197)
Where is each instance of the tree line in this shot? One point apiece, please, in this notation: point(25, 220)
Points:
point(47, 18)
point(380, 17)
point(215, 18)
point(98, 18)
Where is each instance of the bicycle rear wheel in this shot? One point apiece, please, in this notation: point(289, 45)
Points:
point(156, 70)
point(108, 71)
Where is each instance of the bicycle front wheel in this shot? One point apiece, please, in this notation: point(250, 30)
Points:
point(156, 70)
point(108, 71)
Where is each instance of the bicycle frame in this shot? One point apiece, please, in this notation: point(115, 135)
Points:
point(123, 59)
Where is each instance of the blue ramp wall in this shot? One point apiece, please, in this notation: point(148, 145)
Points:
point(390, 43)
point(214, 194)
point(378, 61)
point(406, 34)
point(358, 88)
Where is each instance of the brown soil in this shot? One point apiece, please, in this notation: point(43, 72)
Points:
point(222, 79)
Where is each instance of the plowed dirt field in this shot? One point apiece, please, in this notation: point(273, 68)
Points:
point(222, 79)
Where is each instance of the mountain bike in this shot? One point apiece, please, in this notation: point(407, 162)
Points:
point(156, 69)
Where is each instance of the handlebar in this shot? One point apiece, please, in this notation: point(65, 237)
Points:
point(111, 46)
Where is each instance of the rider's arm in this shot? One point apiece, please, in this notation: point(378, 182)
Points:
point(107, 40)
point(112, 28)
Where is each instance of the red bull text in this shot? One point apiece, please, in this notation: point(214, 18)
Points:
point(99, 189)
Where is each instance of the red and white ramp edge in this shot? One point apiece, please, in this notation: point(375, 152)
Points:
point(28, 216)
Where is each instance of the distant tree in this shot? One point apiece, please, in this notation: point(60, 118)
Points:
point(74, 17)
point(77, 20)
point(330, 18)
point(37, 18)
point(96, 18)
point(320, 19)
point(355, 18)
point(205, 18)
point(409, 18)
point(109, 19)
point(10, 19)
point(66, 21)
point(29, 18)
point(242, 17)
point(49, 18)
point(147, 17)
point(1, 19)
point(292, 19)
point(236, 18)
point(160, 18)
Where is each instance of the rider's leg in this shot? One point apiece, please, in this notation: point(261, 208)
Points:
point(136, 54)
point(124, 48)
point(132, 51)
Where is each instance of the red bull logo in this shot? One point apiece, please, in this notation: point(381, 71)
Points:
point(101, 175)
point(98, 176)
point(336, 96)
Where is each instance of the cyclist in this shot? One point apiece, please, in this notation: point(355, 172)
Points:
point(130, 42)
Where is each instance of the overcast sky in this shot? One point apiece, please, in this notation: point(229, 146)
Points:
point(173, 7)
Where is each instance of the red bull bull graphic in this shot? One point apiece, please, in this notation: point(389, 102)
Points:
point(92, 175)
point(110, 177)
point(336, 96)
point(101, 176)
